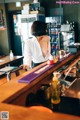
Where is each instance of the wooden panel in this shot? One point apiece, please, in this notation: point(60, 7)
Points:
point(22, 98)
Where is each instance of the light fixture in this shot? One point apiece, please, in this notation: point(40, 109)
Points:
point(18, 4)
point(35, 1)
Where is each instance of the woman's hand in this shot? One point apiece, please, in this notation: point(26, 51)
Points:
point(25, 67)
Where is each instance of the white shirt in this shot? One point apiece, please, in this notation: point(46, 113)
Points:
point(32, 52)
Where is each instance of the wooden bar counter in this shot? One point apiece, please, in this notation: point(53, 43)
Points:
point(16, 93)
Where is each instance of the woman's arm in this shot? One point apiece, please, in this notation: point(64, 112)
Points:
point(27, 55)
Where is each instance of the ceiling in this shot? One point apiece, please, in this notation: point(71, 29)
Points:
point(12, 1)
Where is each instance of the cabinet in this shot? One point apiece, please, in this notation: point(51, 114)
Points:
point(53, 26)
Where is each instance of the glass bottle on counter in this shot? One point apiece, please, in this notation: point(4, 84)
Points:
point(55, 89)
point(11, 55)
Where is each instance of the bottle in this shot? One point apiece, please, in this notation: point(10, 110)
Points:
point(55, 89)
point(11, 55)
point(60, 54)
point(50, 61)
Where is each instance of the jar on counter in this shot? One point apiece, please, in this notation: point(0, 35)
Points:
point(55, 89)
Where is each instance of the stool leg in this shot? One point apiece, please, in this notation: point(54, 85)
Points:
point(17, 73)
point(8, 76)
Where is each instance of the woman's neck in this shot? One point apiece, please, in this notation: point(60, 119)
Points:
point(39, 38)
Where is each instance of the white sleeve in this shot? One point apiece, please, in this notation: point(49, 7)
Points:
point(27, 54)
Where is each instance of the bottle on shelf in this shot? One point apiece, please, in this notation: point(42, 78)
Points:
point(11, 55)
point(60, 54)
point(55, 89)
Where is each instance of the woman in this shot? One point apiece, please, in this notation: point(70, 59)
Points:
point(37, 49)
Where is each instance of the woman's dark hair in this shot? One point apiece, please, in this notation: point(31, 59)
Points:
point(38, 28)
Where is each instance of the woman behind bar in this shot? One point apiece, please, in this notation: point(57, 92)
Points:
point(37, 49)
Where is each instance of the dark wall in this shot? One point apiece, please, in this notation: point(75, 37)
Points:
point(47, 4)
point(70, 13)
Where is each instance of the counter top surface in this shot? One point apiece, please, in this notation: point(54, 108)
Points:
point(9, 88)
point(12, 89)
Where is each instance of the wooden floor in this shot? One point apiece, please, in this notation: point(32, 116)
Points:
point(3, 78)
